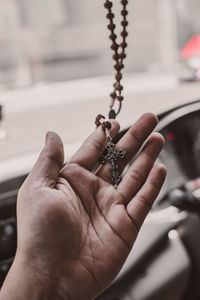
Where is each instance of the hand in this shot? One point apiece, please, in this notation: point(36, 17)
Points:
point(75, 230)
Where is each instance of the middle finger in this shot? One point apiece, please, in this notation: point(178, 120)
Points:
point(131, 143)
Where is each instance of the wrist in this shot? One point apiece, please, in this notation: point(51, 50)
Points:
point(26, 282)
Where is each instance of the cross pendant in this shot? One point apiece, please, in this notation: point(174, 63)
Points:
point(111, 155)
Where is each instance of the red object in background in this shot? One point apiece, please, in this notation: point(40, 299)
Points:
point(192, 48)
point(171, 136)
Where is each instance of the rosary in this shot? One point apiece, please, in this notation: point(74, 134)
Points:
point(111, 155)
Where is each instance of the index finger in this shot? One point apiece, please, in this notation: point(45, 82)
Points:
point(93, 147)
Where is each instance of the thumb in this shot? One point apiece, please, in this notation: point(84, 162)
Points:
point(46, 170)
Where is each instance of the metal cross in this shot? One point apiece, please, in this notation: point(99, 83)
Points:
point(111, 155)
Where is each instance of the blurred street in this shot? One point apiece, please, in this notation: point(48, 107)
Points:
point(70, 42)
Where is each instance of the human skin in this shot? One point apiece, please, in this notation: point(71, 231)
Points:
point(75, 230)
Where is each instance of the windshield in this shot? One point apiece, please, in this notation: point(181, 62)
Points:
point(58, 40)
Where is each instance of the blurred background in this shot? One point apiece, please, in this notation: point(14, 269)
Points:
point(59, 40)
point(56, 73)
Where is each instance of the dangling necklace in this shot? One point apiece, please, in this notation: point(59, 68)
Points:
point(110, 154)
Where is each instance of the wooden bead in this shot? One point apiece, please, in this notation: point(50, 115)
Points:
point(115, 56)
point(120, 98)
point(118, 76)
point(124, 34)
point(122, 55)
point(107, 125)
point(111, 26)
point(113, 36)
point(112, 114)
point(118, 66)
point(113, 95)
point(110, 16)
point(118, 86)
point(123, 45)
point(124, 2)
point(115, 46)
point(124, 12)
point(124, 23)
point(108, 5)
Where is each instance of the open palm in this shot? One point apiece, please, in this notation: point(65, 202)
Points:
point(73, 225)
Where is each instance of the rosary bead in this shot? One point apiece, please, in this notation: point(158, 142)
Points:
point(98, 120)
point(110, 16)
point(124, 34)
point(114, 46)
point(112, 114)
point(118, 76)
point(107, 125)
point(123, 45)
point(113, 36)
point(113, 95)
point(124, 2)
point(124, 12)
point(118, 66)
point(115, 56)
point(124, 23)
point(118, 86)
point(120, 98)
point(122, 55)
point(111, 26)
point(108, 4)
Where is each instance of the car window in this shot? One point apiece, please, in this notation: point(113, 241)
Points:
point(58, 40)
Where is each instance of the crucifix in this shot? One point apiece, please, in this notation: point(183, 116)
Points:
point(111, 155)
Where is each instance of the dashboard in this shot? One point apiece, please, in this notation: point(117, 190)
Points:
point(181, 153)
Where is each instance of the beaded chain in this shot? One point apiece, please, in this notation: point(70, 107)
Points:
point(111, 154)
point(118, 56)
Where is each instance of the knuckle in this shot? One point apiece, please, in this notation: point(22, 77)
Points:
point(144, 201)
point(136, 176)
point(104, 173)
point(96, 145)
point(136, 226)
point(106, 176)
point(133, 133)
point(150, 155)
point(54, 158)
point(69, 169)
